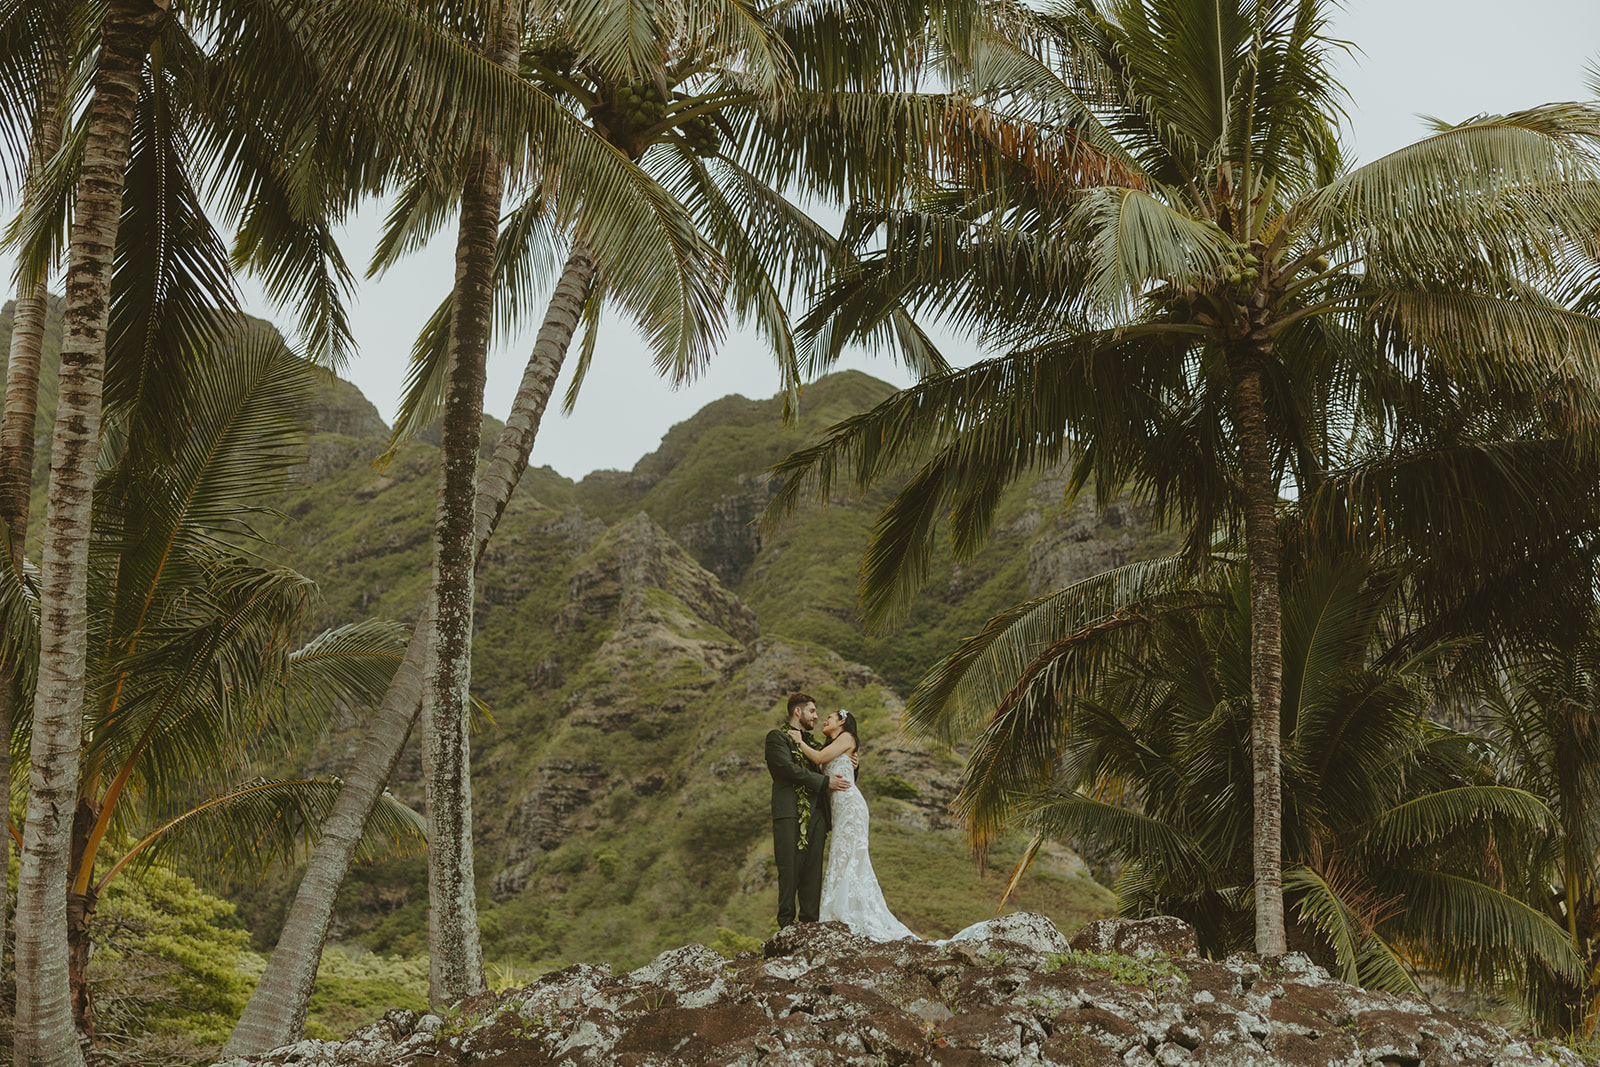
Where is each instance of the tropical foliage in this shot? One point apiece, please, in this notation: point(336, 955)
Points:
point(1237, 318)
point(1403, 842)
point(192, 644)
point(1542, 715)
point(1366, 395)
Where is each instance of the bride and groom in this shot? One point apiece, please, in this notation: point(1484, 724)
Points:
point(806, 804)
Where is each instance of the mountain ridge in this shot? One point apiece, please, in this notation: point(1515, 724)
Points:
point(636, 636)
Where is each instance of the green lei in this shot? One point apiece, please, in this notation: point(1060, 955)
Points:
point(802, 795)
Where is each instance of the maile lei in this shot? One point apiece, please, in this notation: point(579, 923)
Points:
point(802, 795)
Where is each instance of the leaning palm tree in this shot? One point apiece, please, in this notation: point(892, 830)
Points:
point(1186, 335)
point(342, 106)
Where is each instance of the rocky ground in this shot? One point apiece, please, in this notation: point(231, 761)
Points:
point(1011, 991)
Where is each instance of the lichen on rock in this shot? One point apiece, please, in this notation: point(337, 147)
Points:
point(1003, 995)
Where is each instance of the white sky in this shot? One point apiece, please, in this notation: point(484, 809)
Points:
point(1449, 58)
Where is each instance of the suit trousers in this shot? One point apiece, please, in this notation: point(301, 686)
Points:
point(799, 872)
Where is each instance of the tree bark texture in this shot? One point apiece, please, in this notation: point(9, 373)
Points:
point(17, 425)
point(276, 1013)
point(45, 1034)
point(456, 968)
point(454, 948)
point(1266, 640)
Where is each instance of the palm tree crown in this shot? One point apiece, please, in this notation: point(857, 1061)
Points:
point(1230, 322)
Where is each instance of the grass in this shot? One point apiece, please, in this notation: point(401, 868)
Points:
point(936, 889)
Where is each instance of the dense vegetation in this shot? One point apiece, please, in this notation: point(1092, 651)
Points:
point(1360, 399)
point(654, 861)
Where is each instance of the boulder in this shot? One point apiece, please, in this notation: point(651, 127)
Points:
point(1161, 935)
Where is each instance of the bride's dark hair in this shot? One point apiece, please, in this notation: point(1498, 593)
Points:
point(847, 723)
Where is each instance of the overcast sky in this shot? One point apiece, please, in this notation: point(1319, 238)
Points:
point(1449, 58)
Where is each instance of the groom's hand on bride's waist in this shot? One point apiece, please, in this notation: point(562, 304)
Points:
point(838, 782)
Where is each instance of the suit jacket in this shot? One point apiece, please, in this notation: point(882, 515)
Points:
point(786, 774)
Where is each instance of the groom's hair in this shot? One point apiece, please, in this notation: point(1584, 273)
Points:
point(799, 700)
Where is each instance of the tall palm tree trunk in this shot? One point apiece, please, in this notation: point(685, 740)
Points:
point(28, 317)
point(276, 1013)
point(454, 948)
point(45, 1034)
point(456, 968)
point(1245, 365)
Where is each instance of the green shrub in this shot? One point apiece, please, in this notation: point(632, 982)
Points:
point(731, 942)
point(723, 824)
point(167, 961)
point(892, 785)
point(355, 988)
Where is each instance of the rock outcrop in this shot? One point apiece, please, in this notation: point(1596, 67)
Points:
point(1013, 991)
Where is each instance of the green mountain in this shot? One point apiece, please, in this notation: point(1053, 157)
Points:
point(636, 636)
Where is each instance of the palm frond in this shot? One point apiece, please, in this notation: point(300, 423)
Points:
point(237, 835)
point(1132, 834)
point(1512, 194)
point(341, 670)
point(1134, 240)
point(1420, 821)
point(963, 691)
point(423, 398)
point(1363, 957)
point(1474, 931)
point(172, 293)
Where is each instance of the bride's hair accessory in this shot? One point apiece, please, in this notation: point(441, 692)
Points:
point(843, 714)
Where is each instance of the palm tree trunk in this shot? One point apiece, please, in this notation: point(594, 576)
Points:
point(454, 949)
point(456, 969)
point(276, 1013)
point(28, 318)
point(1266, 637)
point(45, 1034)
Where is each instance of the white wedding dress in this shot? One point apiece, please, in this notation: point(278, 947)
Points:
point(849, 888)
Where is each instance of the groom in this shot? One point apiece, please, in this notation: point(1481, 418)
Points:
point(800, 814)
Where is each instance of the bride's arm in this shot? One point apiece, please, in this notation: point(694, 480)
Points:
point(843, 743)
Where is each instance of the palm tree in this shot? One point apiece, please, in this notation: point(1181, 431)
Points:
point(21, 401)
point(456, 967)
point(189, 642)
point(1543, 716)
point(1185, 334)
point(1130, 731)
point(313, 65)
point(656, 97)
point(45, 1031)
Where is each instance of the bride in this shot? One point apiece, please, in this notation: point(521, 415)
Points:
point(849, 888)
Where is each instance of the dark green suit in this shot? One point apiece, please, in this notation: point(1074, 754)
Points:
point(799, 872)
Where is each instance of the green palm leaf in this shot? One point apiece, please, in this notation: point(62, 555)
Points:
point(1426, 819)
point(964, 690)
point(343, 668)
point(1131, 833)
point(1475, 930)
point(1363, 958)
point(239, 834)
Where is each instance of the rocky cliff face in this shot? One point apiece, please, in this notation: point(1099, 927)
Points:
point(635, 638)
point(1010, 992)
point(621, 794)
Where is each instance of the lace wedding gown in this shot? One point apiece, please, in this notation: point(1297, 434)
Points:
point(849, 888)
